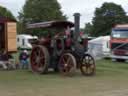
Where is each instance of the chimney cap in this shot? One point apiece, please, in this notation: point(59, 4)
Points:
point(77, 14)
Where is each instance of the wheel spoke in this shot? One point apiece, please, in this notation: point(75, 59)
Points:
point(68, 60)
point(63, 59)
point(88, 70)
point(84, 68)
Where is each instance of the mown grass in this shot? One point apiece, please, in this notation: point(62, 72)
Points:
point(110, 80)
point(107, 67)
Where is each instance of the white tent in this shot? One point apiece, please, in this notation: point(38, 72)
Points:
point(99, 47)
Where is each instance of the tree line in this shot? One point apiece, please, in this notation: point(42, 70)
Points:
point(34, 11)
point(105, 17)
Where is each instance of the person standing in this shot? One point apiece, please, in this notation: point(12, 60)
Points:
point(23, 57)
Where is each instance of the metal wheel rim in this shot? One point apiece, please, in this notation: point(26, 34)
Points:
point(67, 64)
point(37, 59)
point(88, 65)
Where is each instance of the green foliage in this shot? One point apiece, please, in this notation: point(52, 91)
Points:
point(6, 13)
point(105, 18)
point(39, 11)
point(88, 28)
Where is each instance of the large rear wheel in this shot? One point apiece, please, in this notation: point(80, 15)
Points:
point(39, 59)
point(67, 64)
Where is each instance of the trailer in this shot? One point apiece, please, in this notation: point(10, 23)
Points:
point(8, 35)
point(24, 41)
point(8, 41)
point(100, 47)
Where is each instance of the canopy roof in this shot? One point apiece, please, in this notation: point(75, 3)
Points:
point(4, 19)
point(51, 24)
point(99, 40)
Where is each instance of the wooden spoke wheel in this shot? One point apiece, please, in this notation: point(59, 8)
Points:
point(87, 66)
point(39, 59)
point(67, 64)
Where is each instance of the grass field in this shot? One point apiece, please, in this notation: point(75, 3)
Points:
point(111, 79)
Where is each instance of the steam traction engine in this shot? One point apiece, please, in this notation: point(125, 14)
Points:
point(61, 52)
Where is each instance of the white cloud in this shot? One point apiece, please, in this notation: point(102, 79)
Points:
point(85, 7)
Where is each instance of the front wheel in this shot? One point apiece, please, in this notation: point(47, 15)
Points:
point(87, 65)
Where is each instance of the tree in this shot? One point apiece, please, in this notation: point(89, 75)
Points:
point(105, 18)
point(6, 13)
point(39, 11)
point(88, 28)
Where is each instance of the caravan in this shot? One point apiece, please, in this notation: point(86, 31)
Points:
point(99, 47)
point(24, 41)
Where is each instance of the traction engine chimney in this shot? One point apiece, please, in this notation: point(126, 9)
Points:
point(77, 25)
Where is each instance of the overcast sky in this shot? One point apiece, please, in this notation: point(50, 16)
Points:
point(85, 7)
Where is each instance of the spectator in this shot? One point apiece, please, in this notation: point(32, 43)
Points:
point(24, 59)
point(4, 59)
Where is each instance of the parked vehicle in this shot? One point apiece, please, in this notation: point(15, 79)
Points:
point(99, 47)
point(119, 42)
point(7, 42)
point(24, 41)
